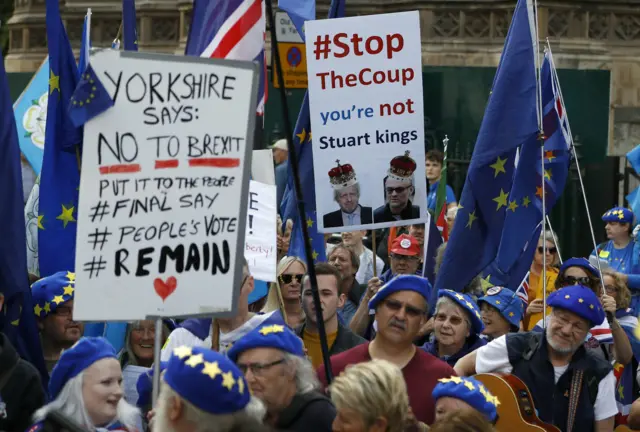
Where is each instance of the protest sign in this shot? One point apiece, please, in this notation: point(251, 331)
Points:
point(262, 168)
point(365, 93)
point(164, 188)
point(260, 241)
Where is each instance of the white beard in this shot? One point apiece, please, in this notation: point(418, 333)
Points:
point(160, 422)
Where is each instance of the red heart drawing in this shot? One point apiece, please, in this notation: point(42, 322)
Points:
point(165, 289)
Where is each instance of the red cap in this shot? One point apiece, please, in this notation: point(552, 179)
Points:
point(405, 245)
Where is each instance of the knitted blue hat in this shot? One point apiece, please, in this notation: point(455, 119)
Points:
point(268, 336)
point(50, 292)
point(468, 390)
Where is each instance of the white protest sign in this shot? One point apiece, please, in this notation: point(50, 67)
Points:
point(262, 168)
point(260, 241)
point(164, 188)
point(365, 98)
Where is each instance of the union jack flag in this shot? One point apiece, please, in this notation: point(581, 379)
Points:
point(230, 29)
point(523, 290)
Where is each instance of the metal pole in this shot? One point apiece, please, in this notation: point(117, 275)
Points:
point(555, 241)
point(293, 159)
point(157, 347)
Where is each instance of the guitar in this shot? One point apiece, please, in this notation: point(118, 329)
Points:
point(623, 428)
point(516, 411)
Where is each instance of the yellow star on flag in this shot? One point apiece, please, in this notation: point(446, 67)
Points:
point(182, 352)
point(309, 137)
point(513, 206)
point(621, 392)
point(548, 155)
point(54, 82)
point(547, 174)
point(302, 135)
point(498, 167)
point(486, 283)
point(40, 226)
point(195, 360)
point(58, 299)
point(272, 329)
point(469, 385)
point(211, 369)
point(71, 276)
point(37, 309)
point(314, 255)
point(228, 380)
point(501, 199)
point(526, 201)
point(309, 222)
point(68, 290)
point(472, 218)
point(67, 215)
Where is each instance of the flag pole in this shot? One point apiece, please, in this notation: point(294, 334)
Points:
point(555, 241)
point(293, 159)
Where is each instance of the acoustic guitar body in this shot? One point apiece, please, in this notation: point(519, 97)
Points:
point(623, 428)
point(516, 411)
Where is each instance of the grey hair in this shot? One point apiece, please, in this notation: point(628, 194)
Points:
point(306, 379)
point(448, 302)
point(336, 192)
point(202, 420)
point(71, 403)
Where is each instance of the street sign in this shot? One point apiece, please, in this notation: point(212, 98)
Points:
point(285, 29)
point(293, 57)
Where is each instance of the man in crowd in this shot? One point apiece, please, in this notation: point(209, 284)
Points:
point(347, 263)
point(555, 363)
point(273, 362)
point(400, 310)
point(53, 307)
point(346, 192)
point(353, 240)
point(433, 165)
point(398, 190)
point(281, 162)
point(339, 337)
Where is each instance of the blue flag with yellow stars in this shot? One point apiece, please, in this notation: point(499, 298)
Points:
point(60, 176)
point(509, 121)
point(89, 99)
point(129, 25)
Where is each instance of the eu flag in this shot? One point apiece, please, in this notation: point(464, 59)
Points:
point(509, 121)
point(18, 321)
point(85, 44)
point(60, 176)
point(129, 25)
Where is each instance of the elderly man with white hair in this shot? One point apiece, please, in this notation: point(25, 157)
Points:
point(202, 390)
point(273, 362)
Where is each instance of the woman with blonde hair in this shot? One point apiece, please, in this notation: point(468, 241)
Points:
point(534, 311)
point(462, 421)
point(284, 294)
point(370, 397)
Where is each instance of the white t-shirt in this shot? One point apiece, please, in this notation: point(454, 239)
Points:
point(494, 357)
point(182, 336)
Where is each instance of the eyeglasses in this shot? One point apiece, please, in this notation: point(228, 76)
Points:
point(611, 288)
point(288, 278)
point(572, 280)
point(258, 369)
point(551, 250)
point(397, 190)
point(396, 306)
point(63, 311)
point(403, 257)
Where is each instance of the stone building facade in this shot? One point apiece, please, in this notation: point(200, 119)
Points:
point(583, 34)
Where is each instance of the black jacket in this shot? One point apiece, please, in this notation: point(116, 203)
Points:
point(21, 390)
point(310, 412)
point(345, 339)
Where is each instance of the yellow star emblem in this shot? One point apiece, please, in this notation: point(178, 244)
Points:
point(47, 307)
point(68, 290)
point(302, 135)
point(567, 296)
point(497, 301)
point(620, 216)
point(37, 309)
point(182, 352)
point(459, 296)
point(71, 276)
point(494, 400)
point(526, 201)
point(547, 174)
point(240, 385)
point(272, 329)
point(194, 360)
point(498, 167)
point(469, 385)
point(590, 306)
point(211, 369)
point(548, 155)
point(314, 255)
point(58, 299)
point(228, 381)
point(456, 380)
point(501, 199)
point(309, 222)
point(309, 137)
point(67, 215)
point(54, 82)
point(511, 314)
point(513, 206)
point(444, 380)
point(472, 218)
point(539, 191)
point(486, 283)
point(580, 300)
point(621, 392)
point(469, 305)
point(40, 218)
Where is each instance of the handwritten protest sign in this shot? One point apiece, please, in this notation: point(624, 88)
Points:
point(260, 242)
point(365, 92)
point(164, 188)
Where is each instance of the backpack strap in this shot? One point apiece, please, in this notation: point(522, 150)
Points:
point(534, 341)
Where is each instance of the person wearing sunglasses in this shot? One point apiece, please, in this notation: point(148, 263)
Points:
point(456, 328)
point(398, 190)
point(533, 312)
point(284, 294)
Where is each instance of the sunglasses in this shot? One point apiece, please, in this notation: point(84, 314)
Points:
point(572, 280)
point(397, 190)
point(288, 278)
point(551, 250)
point(411, 311)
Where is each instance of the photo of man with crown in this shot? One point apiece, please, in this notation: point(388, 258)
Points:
point(346, 192)
point(398, 190)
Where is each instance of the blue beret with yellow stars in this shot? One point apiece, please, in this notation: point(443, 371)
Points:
point(618, 214)
point(207, 379)
point(582, 263)
point(50, 292)
point(401, 283)
point(469, 390)
point(468, 305)
point(506, 302)
point(580, 300)
point(144, 385)
point(268, 336)
point(76, 359)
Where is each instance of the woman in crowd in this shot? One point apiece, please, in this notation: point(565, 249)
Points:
point(370, 397)
point(467, 421)
point(457, 327)
point(284, 294)
point(86, 387)
point(501, 311)
point(536, 286)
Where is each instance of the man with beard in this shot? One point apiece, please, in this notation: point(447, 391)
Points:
point(53, 307)
point(571, 387)
point(339, 337)
point(398, 189)
point(400, 310)
point(346, 192)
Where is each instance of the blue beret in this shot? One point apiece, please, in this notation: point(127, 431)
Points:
point(207, 379)
point(580, 262)
point(402, 283)
point(618, 214)
point(468, 390)
point(580, 300)
point(268, 336)
point(507, 302)
point(468, 305)
point(50, 292)
point(144, 385)
point(76, 359)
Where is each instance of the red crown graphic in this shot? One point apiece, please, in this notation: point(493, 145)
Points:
point(402, 167)
point(342, 176)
